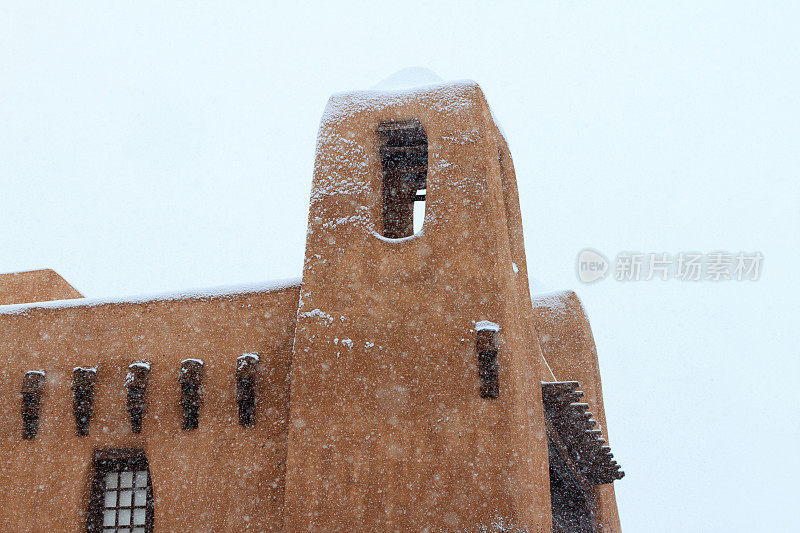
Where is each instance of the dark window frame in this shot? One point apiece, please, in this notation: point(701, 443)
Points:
point(117, 460)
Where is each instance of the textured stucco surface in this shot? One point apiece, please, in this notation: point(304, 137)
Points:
point(34, 286)
point(220, 477)
point(369, 415)
point(568, 344)
point(389, 429)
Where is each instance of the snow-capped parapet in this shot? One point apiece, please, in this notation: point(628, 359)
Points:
point(199, 294)
point(92, 369)
point(454, 96)
point(344, 168)
point(558, 302)
point(140, 364)
point(485, 325)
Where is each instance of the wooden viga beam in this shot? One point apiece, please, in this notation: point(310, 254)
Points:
point(136, 387)
point(560, 393)
point(576, 427)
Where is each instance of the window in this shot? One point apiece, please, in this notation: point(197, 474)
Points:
point(404, 159)
point(122, 494)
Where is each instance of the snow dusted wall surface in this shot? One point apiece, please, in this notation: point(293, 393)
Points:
point(372, 408)
point(34, 286)
point(221, 476)
point(388, 430)
point(566, 339)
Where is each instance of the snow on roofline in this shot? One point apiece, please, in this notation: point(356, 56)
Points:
point(558, 302)
point(405, 91)
point(195, 294)
point(398, 93)
point(455, 95)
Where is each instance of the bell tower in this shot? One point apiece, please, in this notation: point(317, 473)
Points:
point(400, 334)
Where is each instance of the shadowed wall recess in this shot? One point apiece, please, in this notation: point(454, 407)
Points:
point(404, 160)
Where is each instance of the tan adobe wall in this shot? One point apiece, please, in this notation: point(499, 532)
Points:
point(219, 477)
point(35, 286)
point(383, 426)
point(387, 424)
point(568, 344)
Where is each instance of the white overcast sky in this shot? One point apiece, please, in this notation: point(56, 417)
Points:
point(156, 146)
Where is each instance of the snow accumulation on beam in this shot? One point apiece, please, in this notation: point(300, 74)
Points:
point(199, 294)
point(485, 325)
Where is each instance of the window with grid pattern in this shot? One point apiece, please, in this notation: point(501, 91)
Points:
point(125, 501)
point(122, 494)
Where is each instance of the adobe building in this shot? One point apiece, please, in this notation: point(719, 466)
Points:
point(408, 381)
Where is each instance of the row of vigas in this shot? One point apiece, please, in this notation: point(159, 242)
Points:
point(190, 380)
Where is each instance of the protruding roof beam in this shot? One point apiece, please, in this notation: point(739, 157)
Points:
point(575, 425)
